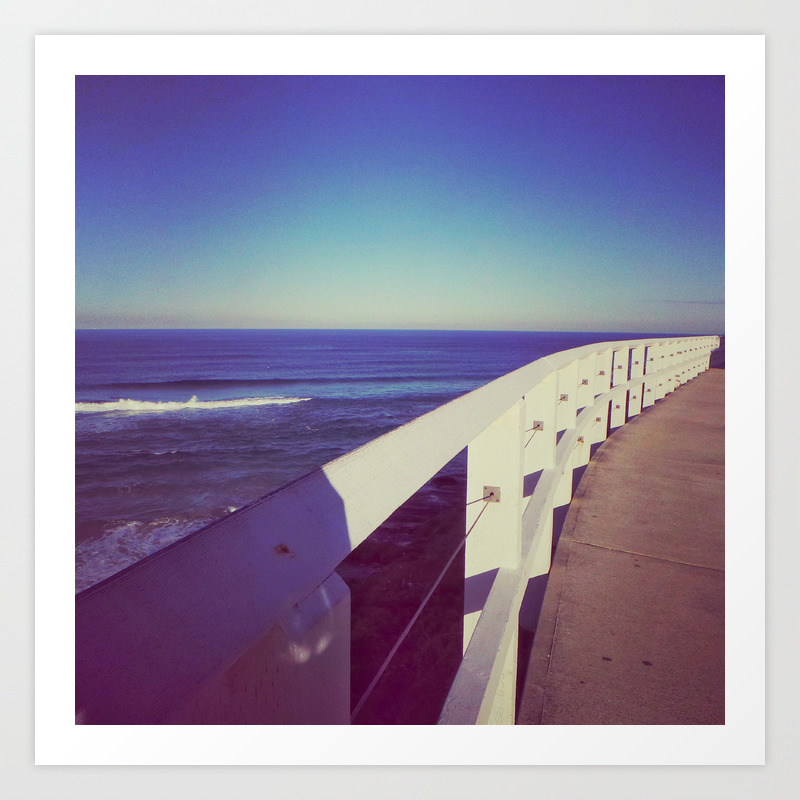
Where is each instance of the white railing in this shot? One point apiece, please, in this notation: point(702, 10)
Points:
point(246, 620)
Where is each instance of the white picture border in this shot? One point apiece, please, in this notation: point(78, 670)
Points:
point(58, 59)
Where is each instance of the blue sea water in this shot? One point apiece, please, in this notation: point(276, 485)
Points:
point(176, 428)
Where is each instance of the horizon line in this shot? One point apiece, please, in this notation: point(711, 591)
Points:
point(396, 330)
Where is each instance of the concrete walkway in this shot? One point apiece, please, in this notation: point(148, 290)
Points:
point(631, 630)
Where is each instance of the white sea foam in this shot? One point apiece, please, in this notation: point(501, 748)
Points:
point(125, 543)
point(150, 406)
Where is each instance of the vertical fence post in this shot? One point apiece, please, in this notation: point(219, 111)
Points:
point(567, 400)
point(678, 365)
point(494, 509)
point(585, 391)
point(669, 363)
point(539, 455)
point(710, 343)
point(660, 362)
point(605, 366)
point(636, 394)
point(598, 431)
point(689, 363)
point(695, 354)
point(619, 375)
point(539, 434)
point(566, 408)
point(650, 383)
point(581, 453)
point(587, 379)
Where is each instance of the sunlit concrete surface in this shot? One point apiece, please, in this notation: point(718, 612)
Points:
point(632, 625)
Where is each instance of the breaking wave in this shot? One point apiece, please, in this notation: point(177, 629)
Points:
point(124, 543)
point(150, 406)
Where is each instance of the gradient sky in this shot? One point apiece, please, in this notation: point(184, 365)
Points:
point(498, 203)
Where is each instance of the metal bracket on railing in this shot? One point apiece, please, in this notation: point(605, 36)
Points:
point(491, 494)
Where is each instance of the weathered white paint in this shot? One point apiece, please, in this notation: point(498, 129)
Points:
point(636, 394)
point(494, 472)
point(567, 401)
point(540, 426)
point(587, 379)
point(598, 430)
point(605, 366)
point(620, 373)
point(245, 621)
point(650, 380)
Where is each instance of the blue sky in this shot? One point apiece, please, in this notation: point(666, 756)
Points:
point(499, 203)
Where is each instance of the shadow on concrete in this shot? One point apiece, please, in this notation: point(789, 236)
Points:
point(577, 474)
point(528, 622)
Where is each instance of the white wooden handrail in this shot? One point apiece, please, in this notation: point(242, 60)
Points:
point(246, 620)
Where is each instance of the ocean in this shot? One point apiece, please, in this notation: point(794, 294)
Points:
point(177, 428)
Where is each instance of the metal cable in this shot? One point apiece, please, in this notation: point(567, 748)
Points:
point(417, 613)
